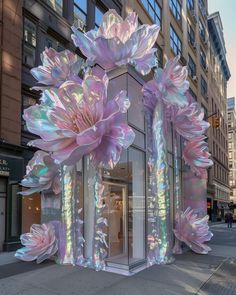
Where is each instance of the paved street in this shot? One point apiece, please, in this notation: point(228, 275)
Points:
point(189, 274)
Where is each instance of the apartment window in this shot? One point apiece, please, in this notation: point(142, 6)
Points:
point(203, 87)
point(98, 16)
point(192, 94)
point(29, 48)
point(50, 42)
point(27, 101)
point(191, 67)
point(229, 117)
point(203, 58)
point(175, 42)
point(230, 135)
point(154, 10)
point(55, 5)
point(80, 11)
point(175, 8)
point(190, 4)
point(202, 30)
point(159, 55)
point(191, 35)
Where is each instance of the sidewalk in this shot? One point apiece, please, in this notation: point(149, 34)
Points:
point(213, 274)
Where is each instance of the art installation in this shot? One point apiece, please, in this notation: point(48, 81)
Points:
point(76, 121)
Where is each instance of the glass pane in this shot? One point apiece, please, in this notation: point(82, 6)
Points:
point(31, 211)
point(29, 32)
point(15, 209)
point(56, 5)
point(139, 139)
point(98, 16)
point(29, 55)
point(80, 15)
point(82, 4)
point(135, 112)
point(136, 214)
point(115, 212)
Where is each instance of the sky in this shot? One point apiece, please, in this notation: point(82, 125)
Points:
point(227, 9)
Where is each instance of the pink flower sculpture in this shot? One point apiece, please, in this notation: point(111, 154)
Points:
point(169, 85)
point(189, 123)
point(39, 244)
point(196, 155)
point(118, 42)
point(41, 174)
point(57, 68)
point(85, 123)
point(193, 231)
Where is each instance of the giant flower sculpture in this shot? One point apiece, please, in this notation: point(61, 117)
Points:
point(42, 173)
point(56, 68)
point(118, 42)
point(196, 155)
point(193, 231)
point(40, 243)
point(189, 123)
point(85, 123)
point(169, 85)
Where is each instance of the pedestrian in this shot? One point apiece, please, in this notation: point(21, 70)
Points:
point(229, 219)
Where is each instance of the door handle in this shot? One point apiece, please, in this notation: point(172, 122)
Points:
point(2, 213)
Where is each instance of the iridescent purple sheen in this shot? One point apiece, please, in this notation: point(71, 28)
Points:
point(169, 85)
point(39, 244)
point(57, 68)
point(193, 231)
point(196, 155)
point(118, 42)
point(85, 123)
point(188, 122)
point(42, 173)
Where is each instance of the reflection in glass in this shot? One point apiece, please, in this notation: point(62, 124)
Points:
point(136, 217)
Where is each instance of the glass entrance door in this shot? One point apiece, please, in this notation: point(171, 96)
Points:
point(3, 196)
point(115, 196)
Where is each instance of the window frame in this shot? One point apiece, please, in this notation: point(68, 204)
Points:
point(203, 60)
point(190, 7)
point(174, 5)
point(192, 68)
point(157, 16)
point(204, 89)
point(172, 35)
point(27, 43)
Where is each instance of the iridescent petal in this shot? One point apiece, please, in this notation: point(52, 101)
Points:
point(122, 40)
point(193, 231)
point(39, 244)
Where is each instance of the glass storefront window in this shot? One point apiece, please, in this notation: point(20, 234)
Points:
point(136, 206)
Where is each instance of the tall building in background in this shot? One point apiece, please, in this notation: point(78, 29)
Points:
point(26, 27)
point(218, 75)
point(232, 147)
